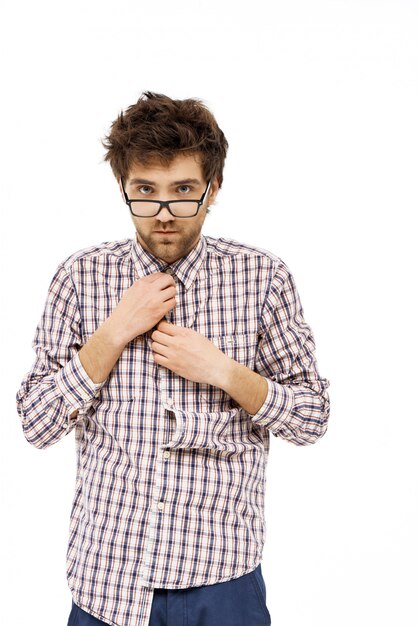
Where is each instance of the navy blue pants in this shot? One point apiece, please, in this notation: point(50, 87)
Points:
point(237, 602)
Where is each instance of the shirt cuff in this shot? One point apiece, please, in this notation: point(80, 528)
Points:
point(76, 386)
point(277, 407)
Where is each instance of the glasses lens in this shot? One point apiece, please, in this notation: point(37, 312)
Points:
point(184, 209)
point(144, 209)
point(149, 209)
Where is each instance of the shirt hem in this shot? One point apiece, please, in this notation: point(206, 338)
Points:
point(248, 570)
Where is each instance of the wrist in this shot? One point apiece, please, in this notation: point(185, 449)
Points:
point(113, 334)
point(245, 386)
point(224, 372)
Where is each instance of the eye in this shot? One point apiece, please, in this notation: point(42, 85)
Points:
point(144, 187)
point(184, 186)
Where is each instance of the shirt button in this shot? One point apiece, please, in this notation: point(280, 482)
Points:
point(262, 422)
point(166, 454)
point(160, 505)
point(169, 270)
point(170, 401)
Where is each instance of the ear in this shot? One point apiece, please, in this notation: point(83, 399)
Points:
point(120, 188)
point(214, 188)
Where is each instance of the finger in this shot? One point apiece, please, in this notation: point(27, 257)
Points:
point(166, 279)
point(161, 360)
point(160, 349)
point(161, 337)
point(169, 293)
point(151, 278)
point(166, 327)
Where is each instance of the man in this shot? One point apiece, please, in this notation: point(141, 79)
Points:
point(173, 356)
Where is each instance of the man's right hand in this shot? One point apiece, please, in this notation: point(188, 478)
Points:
point(143, 305)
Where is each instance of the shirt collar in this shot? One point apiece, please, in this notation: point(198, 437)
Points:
point(185, 268)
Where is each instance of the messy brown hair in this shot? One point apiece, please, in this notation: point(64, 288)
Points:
point(157, 128)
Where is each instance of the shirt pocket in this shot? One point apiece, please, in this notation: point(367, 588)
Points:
point(241, 347)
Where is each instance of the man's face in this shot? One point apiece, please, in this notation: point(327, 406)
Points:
point(181, 180)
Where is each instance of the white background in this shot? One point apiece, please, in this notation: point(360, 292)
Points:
point(319, 101)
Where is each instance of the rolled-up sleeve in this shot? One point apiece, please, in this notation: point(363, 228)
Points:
point(297, 405)
point(57, 385)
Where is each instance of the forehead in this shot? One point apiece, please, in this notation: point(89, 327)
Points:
point(181, 167)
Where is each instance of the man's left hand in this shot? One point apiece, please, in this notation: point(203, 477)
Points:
point(188, 353)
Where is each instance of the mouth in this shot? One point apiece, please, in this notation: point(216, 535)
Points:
point(165, 232)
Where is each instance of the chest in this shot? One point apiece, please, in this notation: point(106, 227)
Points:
point(223, 306)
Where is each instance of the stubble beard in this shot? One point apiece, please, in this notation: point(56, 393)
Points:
point(171, 248)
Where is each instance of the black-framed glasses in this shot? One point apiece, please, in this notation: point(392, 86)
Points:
point(177, 208)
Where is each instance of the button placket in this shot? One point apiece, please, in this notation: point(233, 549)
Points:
point(157, 508)
point(170, 315)
point(148, 549)
point(158, 505)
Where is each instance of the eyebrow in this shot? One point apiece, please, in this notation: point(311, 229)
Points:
point(144, 181)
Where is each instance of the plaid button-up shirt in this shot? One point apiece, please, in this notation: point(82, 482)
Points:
point(170, 476)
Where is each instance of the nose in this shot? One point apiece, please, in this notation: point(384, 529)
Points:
point(165, 216)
